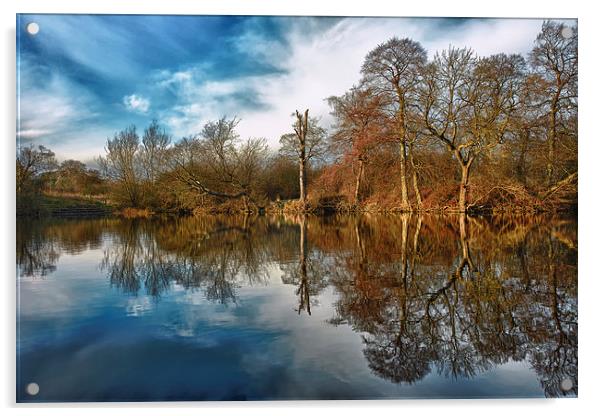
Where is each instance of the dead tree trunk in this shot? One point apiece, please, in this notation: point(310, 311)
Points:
point(301, 131)
point(302, 173)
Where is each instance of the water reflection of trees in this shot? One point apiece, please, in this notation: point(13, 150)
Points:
point(213, 254)
point(310, 272)
point(461, 296)
point(40, 243)
point(455, 295)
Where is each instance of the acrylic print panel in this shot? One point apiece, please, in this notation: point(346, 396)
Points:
point(268, 208)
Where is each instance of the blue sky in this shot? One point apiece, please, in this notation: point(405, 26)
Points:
point(84, 77)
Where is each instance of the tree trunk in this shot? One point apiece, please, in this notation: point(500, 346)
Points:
point(302, 195)
point(521, 171)
point(405, 204)
point(552, 139)
point(551, 152)
point(301, 131)
point(245, 201)
point(358, 181)
point(462, 198)
point(415, 178)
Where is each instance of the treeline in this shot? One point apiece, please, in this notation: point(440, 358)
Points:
point(460, 131)
point(456, 132)
point(39, 176)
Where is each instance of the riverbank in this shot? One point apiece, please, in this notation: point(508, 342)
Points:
point(74, 206)
point(332, 206)
point(62, 206)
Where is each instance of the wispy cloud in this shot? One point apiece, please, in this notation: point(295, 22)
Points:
point(32, 133)
point(136, 103)
point(51, 109)
point(80, 72)
point(320, 62)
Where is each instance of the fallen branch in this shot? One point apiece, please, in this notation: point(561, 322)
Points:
point(559, 185)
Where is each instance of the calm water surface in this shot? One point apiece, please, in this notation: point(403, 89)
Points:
point(228, 308)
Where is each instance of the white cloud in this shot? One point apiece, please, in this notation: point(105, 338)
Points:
point(51, 109)
point(325, 63)
point(136, 103)
point(32, 133)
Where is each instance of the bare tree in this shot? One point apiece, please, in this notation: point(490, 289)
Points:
point(31, 163)
point(306, 143)
point(394, 67)
point(217, 164)
point(467, 104)
point(153, 152)
point(360, 126)
point(120, 164)
point(554, 58)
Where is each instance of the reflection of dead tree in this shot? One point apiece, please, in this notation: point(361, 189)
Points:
point(307, 273)
point(303, 290)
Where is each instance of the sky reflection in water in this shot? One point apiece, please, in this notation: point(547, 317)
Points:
point(228, 308)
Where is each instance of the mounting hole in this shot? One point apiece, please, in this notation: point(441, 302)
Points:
point(33, 28)
point(32, 389)
point(567, 32)
point(566, 384)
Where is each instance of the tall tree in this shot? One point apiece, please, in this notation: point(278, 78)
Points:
point(467, 104)
point(360, 126)
point(554, 58)
point(306, 143)
point(395, 68)
point(120, 164)
point(153, 151)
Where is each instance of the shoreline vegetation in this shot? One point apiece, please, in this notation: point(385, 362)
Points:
point(454, 133)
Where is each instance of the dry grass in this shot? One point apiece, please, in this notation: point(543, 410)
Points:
point(135, 212)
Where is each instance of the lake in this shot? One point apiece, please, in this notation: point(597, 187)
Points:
point(284, 307)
